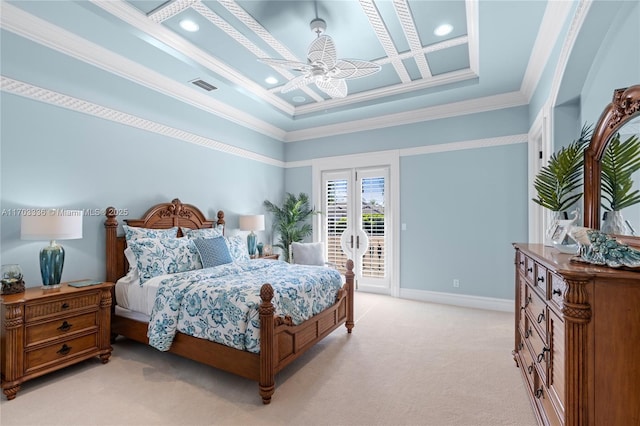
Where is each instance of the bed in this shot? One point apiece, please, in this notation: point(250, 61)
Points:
point(282, 339)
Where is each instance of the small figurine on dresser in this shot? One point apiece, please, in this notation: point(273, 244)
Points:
point(12, 279)
point(599, 248)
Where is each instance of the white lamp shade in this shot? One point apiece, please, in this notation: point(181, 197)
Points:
point(55, 225)
point(252, 223)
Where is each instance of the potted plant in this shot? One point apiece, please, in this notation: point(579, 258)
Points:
point(620, 161)
point(291, 220)
point(557, 182)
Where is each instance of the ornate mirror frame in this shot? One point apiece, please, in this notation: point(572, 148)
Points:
point(623, 108)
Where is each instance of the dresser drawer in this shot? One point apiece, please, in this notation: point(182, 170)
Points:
point(59, 352)
point(539, 350)
point(52, 330)
point(537, 310)
point(540, 280)
point(558, 287)
point(48, 308)
point(530, 265)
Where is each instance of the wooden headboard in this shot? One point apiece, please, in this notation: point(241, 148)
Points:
point(160, 216)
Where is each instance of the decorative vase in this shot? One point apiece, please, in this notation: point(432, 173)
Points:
point(260, 246)
point(613, 223)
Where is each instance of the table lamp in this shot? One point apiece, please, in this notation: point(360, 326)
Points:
point(252, 223)
point(55, 225)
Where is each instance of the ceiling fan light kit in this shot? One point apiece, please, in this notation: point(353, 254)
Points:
point(323, 68)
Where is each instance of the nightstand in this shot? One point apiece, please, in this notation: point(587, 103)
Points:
point(46, 330)
point(268, 256)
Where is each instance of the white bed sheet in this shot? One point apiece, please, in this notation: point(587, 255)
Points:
point(136, 298)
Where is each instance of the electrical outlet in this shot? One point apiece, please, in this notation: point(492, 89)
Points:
point(456, 283)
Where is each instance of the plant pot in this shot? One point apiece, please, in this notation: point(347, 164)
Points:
point(613, 223)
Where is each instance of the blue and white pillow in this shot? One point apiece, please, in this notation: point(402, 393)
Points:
point(213, 251)
point(132, 233)
point(238, 248)
point(202, 233)
point(161, 256)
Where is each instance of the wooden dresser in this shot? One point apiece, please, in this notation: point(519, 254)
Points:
point(43, 331)
point(577, 339)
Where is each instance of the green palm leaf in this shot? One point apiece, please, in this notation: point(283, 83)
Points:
point(557, 182)
point(620, 161)
point(291, 220)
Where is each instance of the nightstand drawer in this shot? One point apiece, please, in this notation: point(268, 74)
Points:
point(35, 311)
point(54, 329)
point(60, 351)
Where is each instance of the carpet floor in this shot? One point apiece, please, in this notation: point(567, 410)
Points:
point(406, 363)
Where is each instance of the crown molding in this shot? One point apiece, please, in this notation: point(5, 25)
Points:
point(19, 88)
point(553, 20)
point(489, 103)
point(449, 78)
point(42, 32)
point(132, 16)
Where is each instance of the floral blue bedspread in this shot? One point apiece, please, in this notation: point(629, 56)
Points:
point(221, 303)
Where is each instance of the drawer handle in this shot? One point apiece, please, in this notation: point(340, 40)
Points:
point(528, 333)
point(557, 291)
point(541, 317)
point(521, 346)
point(530, 369)
point(65, 326)
point(540, 356)
point(541, 279)
point(65, 305)
point(528, 301)
point(539, 392)
point(529, 269)
point(522, 262)
point(64, 350)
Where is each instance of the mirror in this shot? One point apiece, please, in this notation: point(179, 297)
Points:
point(624, 107)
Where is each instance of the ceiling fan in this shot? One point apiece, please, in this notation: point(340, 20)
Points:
point(322, 67)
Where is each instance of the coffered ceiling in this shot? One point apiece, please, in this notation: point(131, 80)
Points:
point(491, 58)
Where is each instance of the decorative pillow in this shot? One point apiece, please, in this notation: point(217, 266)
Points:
point(160, 256)
point(238, 248)
point(202, 233)
point(213, 251)
point(132, 233)
point(308, 253)
point(133, 262)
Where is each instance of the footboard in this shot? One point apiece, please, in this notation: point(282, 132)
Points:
point(281, 342)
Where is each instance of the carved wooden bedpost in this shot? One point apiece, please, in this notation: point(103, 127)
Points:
point(111, 225)
point(349, 275)
point(267, 325)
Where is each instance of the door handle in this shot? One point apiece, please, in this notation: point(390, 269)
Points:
point(358, 242)
point(352, 241)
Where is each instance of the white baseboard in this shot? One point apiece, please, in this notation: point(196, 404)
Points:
point(465, 300)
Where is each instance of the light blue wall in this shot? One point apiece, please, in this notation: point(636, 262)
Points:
point(53, 157)
point(463, 209)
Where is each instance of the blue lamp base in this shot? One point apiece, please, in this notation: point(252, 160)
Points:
point(51, 263)
point(251, 243)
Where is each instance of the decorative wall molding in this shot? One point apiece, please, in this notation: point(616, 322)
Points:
point(455, 109)
point(42, 32)
point(470, 144)
point(463, 300)
point(26, 90)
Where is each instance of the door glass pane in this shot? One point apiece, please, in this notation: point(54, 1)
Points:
point(373, 223)
point(335, 212)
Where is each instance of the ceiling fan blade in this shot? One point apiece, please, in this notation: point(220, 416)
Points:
point(296, 83)
point(353, 68)
point(323, 50)
point(283, 63)
point(332, 87)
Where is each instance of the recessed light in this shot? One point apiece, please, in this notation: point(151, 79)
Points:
point(188, 25)
point(298, 99)
point(271, 80)
point(443, 30)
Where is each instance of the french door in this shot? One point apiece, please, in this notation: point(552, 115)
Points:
point(355, 223)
